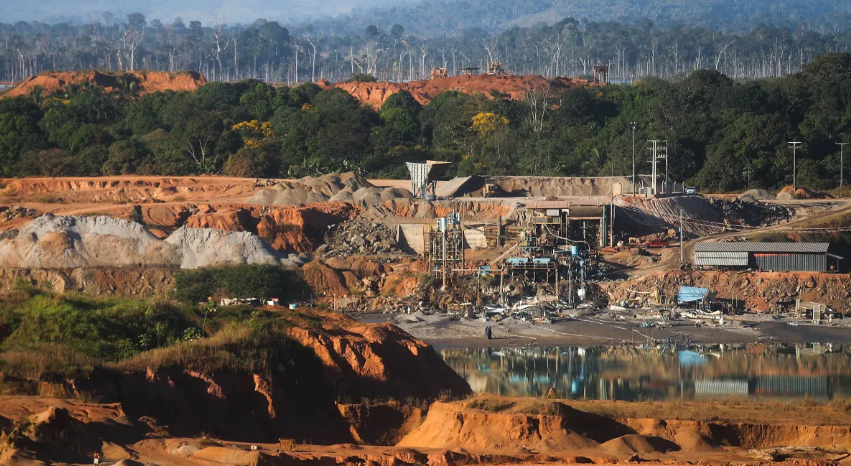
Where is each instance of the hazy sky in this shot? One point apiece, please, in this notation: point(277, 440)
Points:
point(229, 11)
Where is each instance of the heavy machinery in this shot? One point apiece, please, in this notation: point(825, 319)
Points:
point(437, 73)
point(496, 69)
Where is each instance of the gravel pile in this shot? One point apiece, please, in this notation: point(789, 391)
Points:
point(749, 211)
point(360, 236)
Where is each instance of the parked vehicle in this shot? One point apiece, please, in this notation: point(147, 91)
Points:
point(655, 243)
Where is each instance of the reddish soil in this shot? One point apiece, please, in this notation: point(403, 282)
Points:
point(760, 291)
point(146, 81)
point(515, 87)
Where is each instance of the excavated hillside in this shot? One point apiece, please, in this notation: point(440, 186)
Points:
point(143, 82)
point(123, 189)
point(516, 87)
point(761, 292)
point(218, 387)
point(517, 426)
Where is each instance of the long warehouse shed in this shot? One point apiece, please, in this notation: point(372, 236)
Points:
point(775, 257)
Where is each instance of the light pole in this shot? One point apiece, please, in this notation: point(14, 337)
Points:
point(794, 146)
point(633, 158)
point(841, 162)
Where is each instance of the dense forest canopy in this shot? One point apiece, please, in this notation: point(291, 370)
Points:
point(267, 51)
point(723, 134)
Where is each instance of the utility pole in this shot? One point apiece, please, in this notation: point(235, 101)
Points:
point(681, 236)
point(612, 222)
point(841, 161)
point(660, 151)
point(794, 146)
point(633, 158)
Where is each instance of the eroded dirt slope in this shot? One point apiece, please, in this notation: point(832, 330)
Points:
point(516, 87)
point(144, 82)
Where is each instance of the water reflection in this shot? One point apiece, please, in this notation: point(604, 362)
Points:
point(636, 373)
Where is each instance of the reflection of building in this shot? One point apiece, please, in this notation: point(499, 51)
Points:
point(816, 387)
point(632, 373)
point(724, 387)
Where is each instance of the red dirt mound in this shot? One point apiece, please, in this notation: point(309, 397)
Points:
point(515, 87)
point(145, 82)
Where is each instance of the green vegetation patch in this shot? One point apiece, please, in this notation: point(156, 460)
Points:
point(246, 281)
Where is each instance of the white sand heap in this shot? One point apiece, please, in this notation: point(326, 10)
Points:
point(51, 242)
point(206, 247)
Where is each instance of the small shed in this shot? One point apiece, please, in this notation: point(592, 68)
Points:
point(691, 295)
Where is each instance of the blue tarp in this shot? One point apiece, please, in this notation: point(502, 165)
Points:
point(691, 294)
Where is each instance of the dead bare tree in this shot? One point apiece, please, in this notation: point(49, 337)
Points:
point(218, 50)
point(313, 44)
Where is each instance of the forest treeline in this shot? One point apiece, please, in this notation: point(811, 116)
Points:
point(270, 52)
point(723, 135)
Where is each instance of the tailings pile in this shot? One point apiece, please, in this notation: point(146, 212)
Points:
point(334, 187)
point(51, 242)
point(361, 236)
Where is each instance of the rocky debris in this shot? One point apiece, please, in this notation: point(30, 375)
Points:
point(748, 211)
point(360, 236)
point(51, 242)
point(13, 212)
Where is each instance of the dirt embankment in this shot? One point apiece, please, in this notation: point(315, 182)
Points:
point(286, 229)
point(143, 82)
point(332, 359)
point(759, 291)
point(517, 426)
point(125, 189)
point(482, 430)
point(347, 280)
point(516, 87)
point(94, 281)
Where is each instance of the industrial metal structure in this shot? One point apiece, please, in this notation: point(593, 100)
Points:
point(568, 224)
point(424, 177)
point(776, 257)
point(601, 74)
point(445, 243)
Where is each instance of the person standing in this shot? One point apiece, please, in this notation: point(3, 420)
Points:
point(96, 458)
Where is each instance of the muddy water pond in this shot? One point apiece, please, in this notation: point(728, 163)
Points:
point(820, 371)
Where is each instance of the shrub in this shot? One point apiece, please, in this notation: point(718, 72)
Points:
point(105, 329)
point(243, 281)
point(362, 78)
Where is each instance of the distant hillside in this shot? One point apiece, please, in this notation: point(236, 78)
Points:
point(496, 15)
point(133, 82)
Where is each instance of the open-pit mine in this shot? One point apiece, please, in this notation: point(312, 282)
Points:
point(475, 320)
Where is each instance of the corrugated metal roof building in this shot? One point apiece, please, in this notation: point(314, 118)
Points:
point(776, 257)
